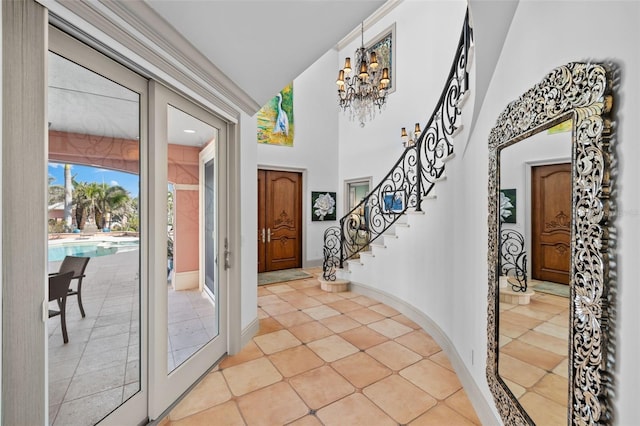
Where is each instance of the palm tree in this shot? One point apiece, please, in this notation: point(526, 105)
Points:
point(81, 203)
point(105, 199)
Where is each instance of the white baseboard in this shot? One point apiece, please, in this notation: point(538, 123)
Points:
point(480, 404)
point(186, 280)
point(249, 332)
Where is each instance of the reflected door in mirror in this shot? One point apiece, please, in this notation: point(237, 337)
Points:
point(551, 222)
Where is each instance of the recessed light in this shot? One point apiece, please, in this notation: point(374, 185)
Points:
point(189, 131)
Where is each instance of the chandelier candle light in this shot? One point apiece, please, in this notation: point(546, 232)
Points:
point(366, 90)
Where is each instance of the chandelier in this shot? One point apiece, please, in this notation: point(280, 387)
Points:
point(365, 91)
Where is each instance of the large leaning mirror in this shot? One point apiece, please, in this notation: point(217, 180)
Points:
point(550, 251)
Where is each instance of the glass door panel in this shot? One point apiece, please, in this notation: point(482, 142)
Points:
point(94, 231)
point(191, 309)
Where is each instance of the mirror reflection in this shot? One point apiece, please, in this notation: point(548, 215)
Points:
point(191, 269)
point(535, 254)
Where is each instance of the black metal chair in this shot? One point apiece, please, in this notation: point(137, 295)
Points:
point(77, 265)
point(58, 291)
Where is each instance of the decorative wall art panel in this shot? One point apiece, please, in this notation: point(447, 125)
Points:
point(323, 206)
point(275, 119)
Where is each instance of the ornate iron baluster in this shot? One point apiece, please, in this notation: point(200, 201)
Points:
point(410, 179)
point(513, 257)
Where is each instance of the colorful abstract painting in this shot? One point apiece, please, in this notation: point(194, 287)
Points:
point(275, 119)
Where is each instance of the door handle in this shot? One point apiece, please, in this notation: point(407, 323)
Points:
point(263, 237)
point(268, 235)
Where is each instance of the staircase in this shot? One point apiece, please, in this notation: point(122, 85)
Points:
point(377, 224)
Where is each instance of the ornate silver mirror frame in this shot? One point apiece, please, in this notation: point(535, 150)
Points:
point(581, 92)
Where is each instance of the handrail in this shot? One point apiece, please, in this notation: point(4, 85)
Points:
point(412, 177)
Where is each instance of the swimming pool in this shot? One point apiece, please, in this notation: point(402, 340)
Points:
point(57, 251)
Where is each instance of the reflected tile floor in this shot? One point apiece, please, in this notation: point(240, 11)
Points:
point(534, 355)
point(328, 359)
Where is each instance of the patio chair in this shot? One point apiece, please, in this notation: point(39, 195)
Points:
point(77, 265)
point(58, 291)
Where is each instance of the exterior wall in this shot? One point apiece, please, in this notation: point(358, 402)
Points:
point(537, 42)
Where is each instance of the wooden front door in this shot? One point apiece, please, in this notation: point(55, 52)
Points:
point(551, 222)
point(279, 220)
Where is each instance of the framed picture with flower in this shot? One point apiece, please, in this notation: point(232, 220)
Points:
point(323, 206)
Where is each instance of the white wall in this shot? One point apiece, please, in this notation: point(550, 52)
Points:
point(315, 146)
point(544, 35)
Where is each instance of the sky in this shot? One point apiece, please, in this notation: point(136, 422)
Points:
point(128, 181)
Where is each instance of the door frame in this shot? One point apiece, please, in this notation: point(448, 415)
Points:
point(305, 209)
point(207, 154)
point(528, 204)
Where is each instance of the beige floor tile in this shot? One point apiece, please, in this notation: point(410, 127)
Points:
point(459, 401)
point(506, 306)
point(364, 301)
point(313, 291)
point(320, 312)
point(511, 330)
point(553, 387)
point(363, 337)
point(552, 299)
point(301, 301)
point(406, 321)
point(262, 314)
point(277, 404)
point(251, 375)
point(365, 316)
point(543, 411)
point(442, 359)
point(296, 360)
point(269, 325)
point(291, 319)
point(399, 398)
point(332, 348)
point(561, 319)
point(263, 291)
point(393, 355)
point(340, 323)
point(515, 388)
point(280, 288)
point(212, 390)
point(561, 332)
point(361, 369)
point(250, 352)
point(520, 319)
point(385, 310)
point(278, 308)
point(276, 341)
point(539, 304)
point(531, 312)
point(419, 342)
point(310, 331)
point(533, 355)
point(544, 341)
point(390, 328)
point(225, 414)
point(327, 298)
point(306, 283)
point(432, 378)
point(517, 371)
point(348, 294)
point(441, 415)
point(355, 409)
point(345, 306)
point(562, 369)
point(504, 340)
point(310, 420)
point(268, 299)
point(321, 386)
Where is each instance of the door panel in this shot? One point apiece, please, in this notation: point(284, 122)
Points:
point(262, 239)
point(551, 222)
point(281, 211)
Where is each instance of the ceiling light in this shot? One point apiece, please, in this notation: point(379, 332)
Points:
point(189, 131)
point(366, 90)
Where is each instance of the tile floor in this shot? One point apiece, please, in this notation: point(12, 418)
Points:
point(533, 357)
point(99, 368)
point(329, 359)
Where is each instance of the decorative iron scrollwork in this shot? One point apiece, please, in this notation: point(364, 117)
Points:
point(513, 258)
point(411, 178)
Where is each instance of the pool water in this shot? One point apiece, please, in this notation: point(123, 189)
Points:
point(89, 249)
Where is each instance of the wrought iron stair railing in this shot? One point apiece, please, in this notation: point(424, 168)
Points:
point(412, 177)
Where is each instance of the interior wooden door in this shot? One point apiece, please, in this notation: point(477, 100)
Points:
point(551, 222)
point(279, 220)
